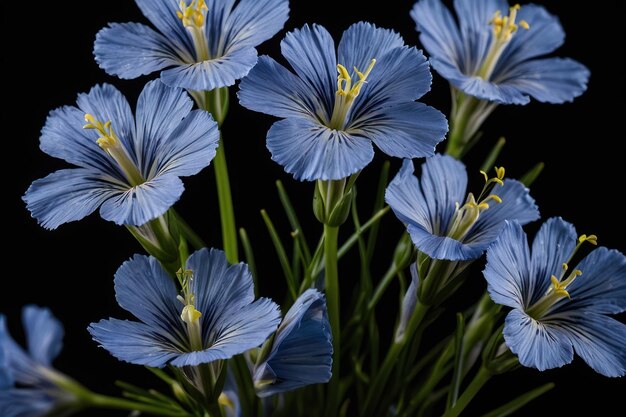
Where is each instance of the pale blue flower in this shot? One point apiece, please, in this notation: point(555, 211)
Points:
point(559, 308)
point(446, 223)
point(331, 120)
point(497, 53)
point(128, 166)
point(215, 316)
point(200, 45)
point(37, 392)
point(301, 352)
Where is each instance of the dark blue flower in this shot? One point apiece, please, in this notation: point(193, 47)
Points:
point(37, 392)
point(203, 44)
point(443, 221)
point(559, 309)
point(301, 352)
point(215, 317)
point(496, 52)
point(128, 166)
point(331, 121)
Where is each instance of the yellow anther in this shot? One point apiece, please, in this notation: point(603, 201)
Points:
point(344, 80)
point(565, 267)
point(225, 401)
point(500, 172)
point(494, 197)
point(524, 24)
point(593, 239)
point(485, 175)
point(108, 139)
point(190, 315)
point(192, 15)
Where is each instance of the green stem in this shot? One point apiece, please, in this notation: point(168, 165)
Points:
point(382, 286)
point(216, 103)
point(113, 403)
point(331, 234)
point(470, 392)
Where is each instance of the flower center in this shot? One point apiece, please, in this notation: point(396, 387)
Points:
point(467, 215)
point(190, 315)
point(558, 287)
point(193, 17)
point(114, 147)
point(347, 93)
point(504, 27)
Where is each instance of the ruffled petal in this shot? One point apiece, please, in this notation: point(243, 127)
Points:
point(404, 196)
point(311, 53)
point(213, 73)
point(130, 50)
point(407, 130)
point(160, 110)
point(146, 290)
point(602, 286)
point(133, 342)
point(255, 21)
point(551, 80)
point(508, 270)
point(439, 32)
point(18, 365)
point(442, 247)
point(553, 245)
point(598, 339)
point(272, 89)
point(142, 203)
point(302, 350)
point(162, 14)
point(311, 151)
point(67, 195)
point(540, 345)
point(517, 204)
point(363, 42)
point(501, 93)
point(44, 334)
point(400, 76)
point(544, 36)
point(237, 331)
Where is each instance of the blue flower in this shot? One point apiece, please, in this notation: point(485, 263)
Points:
point(498, 57)
point(38, 392)
point(302, 349)
point(215, 316)
point(442, 221)
point(129, 167)
point(203, 44)
point(330, 121)
point(559, 309)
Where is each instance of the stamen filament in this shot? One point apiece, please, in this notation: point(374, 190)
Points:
point(347, 93)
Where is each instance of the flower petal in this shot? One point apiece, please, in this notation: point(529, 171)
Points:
point(25, 402)
point(517, 204)
point(407, 130)
point(254, 21)
point(19, 366)
point(442, 247)
point(553, 245)
point(551, 80)
point(237, 331)
point(404, 196)
point(162, 14)
point(501, 93)
point(133, 342)
point(508, 270)
point(602, 286)
point(363, 42)
point(146, 290)
point(409, 302)
point(544, 36)
point(272, 89)
point(311, 151)
point(6, 379)
point(439, 32)
point(130, 50)
point(213, 73)
point(302, 350)
point(44, 334)
point(160, 110)
point(598, 339)
point(142, 203)
point(538, 345)
point(66, 195)
point(311, 53)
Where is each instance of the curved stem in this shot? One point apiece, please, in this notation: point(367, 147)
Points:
point(331, 234)
point(470, 392)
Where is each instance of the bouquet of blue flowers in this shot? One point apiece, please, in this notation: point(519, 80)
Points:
point(467, 296)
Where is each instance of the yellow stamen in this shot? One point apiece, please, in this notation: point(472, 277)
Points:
point(223, 400)
point(347, 92)
point(593, 239)
point(190, 315)
point(193, 17)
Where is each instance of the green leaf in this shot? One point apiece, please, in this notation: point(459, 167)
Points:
point(491, 159)
point(457, 374)
point(293, 220)
point(282, 255)
point(247, 249)
point(529, 178)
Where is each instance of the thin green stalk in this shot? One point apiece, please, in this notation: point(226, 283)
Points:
point(282, 256)
point(378, 205)
point(113, 403)
point(191, 236)
point(216, 103)
point(247, 249)
point(382, 286)
point(514, 405)
point(331, 234)
point(470, 392)
point(293, 220)
point(493, 155)
point(457, 374)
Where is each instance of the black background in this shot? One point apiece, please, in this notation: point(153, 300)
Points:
point(71, 269)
